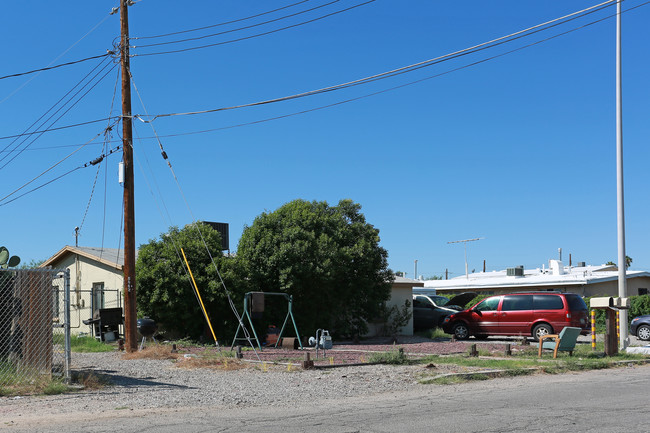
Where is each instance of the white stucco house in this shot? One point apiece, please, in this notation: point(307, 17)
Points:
point(401, 291)
point(96, 281)
point(585, 280)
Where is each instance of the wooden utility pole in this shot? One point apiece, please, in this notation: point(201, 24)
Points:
point(130, 314)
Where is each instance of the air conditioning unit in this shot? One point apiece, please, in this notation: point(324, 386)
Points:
point(515, 272)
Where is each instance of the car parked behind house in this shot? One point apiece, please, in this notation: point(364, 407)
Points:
point(527, 314)
point(430, 310)
point(640, 327)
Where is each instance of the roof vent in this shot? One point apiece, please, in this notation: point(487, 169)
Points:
point(515, 272)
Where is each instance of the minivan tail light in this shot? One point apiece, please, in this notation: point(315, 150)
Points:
point(568, 315)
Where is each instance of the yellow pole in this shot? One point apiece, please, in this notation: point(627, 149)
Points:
point(618, 324)
point(199, 295)
point(593, 330)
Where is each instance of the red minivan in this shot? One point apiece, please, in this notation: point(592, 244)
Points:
point(534, 314)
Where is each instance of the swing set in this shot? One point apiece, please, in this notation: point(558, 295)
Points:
point(254, 304)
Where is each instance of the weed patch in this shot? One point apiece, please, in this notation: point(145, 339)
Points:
point(56, 387)
point(394, 357)
point(89, 344)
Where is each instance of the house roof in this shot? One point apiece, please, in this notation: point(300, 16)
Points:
point(560, 276)
point(404, 282)
point(108, 256)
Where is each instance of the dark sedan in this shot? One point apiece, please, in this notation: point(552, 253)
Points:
point(640, 327)
point(430, 310)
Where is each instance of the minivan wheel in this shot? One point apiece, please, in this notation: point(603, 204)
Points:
point(461, 331)
point(541, 329)
point(643, 332)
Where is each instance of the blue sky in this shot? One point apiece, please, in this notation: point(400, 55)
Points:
point(519, 150)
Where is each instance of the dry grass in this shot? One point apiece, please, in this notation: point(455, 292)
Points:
point(153, 351)
point(205, 359)
point(213, 362)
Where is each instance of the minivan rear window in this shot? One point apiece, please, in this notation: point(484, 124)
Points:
point(517, 303)
point(548, 302)
point(575, 302)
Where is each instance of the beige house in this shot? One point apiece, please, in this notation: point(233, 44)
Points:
point(585, 280)
point(401, 291)
point(96, 281)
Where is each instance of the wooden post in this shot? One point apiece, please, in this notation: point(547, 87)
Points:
point(307, 363)
point(611, 342)
point(130, 311)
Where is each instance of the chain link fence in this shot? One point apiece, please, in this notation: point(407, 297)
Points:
point(34, 326)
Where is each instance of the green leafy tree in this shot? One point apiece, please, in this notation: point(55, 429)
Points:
point(327, 257)
point(164, 289)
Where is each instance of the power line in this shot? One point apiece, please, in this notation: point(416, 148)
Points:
point(57, 178)
point(51, 108)
point(219, 24)
point(385, 90)
point(48, 68)
point(436, 60)
point(59, 128)
point(259, 34)
point(237, 29)
point(51, 168)
point(66, 111)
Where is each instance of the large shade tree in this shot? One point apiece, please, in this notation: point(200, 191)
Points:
point(164, 290)
point(327, 257)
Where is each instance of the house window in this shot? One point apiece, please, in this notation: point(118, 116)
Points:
point(98, 300)
point(643, 291)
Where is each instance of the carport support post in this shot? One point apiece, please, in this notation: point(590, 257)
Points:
point(611, 340)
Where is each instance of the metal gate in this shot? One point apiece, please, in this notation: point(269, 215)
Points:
point(34, 326)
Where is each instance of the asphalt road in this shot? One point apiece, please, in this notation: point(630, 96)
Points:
point(611, 400)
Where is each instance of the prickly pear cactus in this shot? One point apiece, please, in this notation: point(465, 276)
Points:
point(7, 261)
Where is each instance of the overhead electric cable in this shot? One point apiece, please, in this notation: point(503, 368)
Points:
point(58, 128)
point(110, 53)
point(48, 110)
point(107, 132)
point(4, 201)
point(389, 89)
point(57, 58)
point(237, 29)
point(218, 24)
point(258, 34)
point(107, 140)
point(64, 113)
point(415, 66)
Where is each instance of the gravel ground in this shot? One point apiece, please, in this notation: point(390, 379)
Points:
point(148, 384)
point(155, 383)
